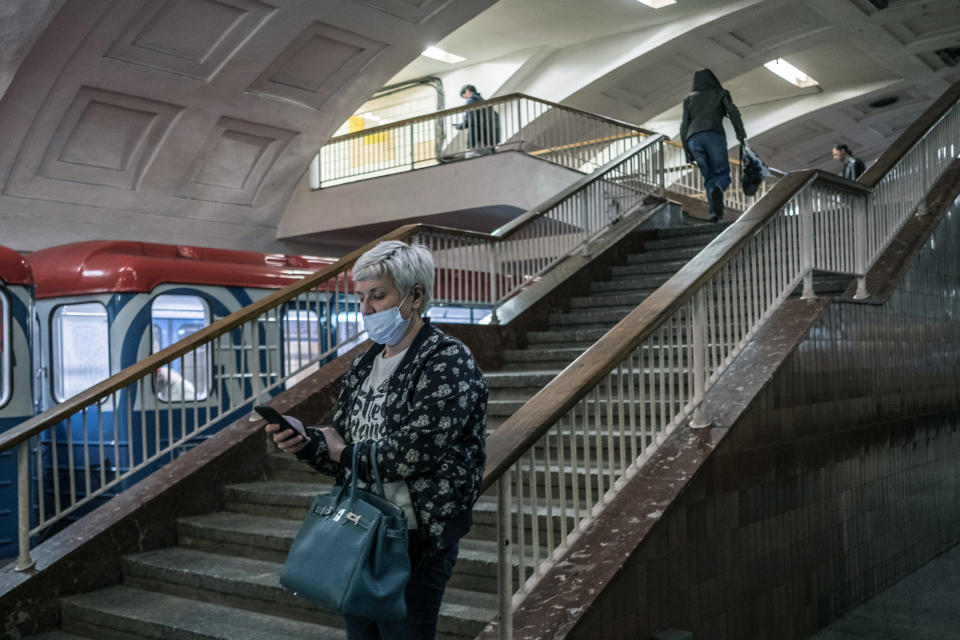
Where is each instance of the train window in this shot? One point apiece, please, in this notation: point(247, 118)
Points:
point(81, 348)
point(350, 331)
point(5, 348)
point(301, 341)
point(173, 318)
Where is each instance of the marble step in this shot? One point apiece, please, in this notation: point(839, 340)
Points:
point(254, 585)
point(664, 255)
point(700, 239)
point(122, 613)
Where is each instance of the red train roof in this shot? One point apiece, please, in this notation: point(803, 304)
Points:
point(14, 268)
point(115, 266)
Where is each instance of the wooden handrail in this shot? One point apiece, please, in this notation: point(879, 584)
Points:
point(492, 101)
point(151, 363)
point(525, 427)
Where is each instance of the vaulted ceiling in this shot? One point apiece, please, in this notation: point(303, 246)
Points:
point(194, 120)
point(184, 120)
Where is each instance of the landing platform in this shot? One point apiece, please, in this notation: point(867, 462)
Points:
point(922, 606)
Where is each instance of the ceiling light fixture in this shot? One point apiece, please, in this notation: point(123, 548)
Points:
point(657, 4)
point(443, 56)
point(790, 73)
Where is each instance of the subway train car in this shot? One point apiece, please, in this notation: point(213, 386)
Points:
point(16, 380)
point(103, 306)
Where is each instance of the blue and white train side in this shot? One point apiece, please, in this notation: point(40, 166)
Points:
point(90, 310)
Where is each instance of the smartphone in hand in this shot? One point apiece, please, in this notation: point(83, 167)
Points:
point(273, 416)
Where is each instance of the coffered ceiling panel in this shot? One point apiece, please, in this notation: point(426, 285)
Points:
point(104, 139)
point(205, 113)
point(413, 11)
point(193, 38)
point(322, 56)
point(771, 28)
point(236, 158)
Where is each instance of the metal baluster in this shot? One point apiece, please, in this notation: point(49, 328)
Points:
point(24, 561)
point(504, 561)
point(806, 242)
point(700, 419)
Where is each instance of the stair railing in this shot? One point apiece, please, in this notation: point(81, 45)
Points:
point(685, 178)
point(564, 455)
point(269, 345)
point(569, 137)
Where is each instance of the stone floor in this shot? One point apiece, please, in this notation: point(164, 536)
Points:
point(923, 606)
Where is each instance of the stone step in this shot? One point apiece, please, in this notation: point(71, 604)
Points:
point(604, 315)
point(693, 226)
point(701, 239)
point(506, 408)
point(607, 300)
point(254, 585)
point(122, 613)
point(283, 466)
point(566, 336)
point(664, 255)
point(528, 384)
point(275, 498)
point(268, 539)
point(628, 284)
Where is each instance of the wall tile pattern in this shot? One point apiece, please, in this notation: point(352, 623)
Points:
point(842, 477)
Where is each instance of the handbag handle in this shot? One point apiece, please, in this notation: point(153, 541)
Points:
point(373, 466)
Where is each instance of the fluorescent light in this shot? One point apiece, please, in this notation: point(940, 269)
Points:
point(657, 4)
point(443, 56)
point(790, 73)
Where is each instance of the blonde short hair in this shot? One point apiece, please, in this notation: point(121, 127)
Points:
point(407, 264)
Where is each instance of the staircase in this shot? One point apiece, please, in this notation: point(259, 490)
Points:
point(220, 581)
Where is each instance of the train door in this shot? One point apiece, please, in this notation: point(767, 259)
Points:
point(16, 398)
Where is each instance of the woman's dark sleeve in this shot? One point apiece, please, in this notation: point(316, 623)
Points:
point(316, 453)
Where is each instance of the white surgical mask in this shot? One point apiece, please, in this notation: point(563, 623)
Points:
point(387, 326)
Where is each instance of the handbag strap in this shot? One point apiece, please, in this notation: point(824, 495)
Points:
point(372, 448)
point(376, 471)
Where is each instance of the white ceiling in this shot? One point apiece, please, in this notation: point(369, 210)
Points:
point(625, 60)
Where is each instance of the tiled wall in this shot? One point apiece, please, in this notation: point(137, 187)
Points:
point(842, 477)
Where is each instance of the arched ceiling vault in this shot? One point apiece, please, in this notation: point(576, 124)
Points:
point(625, 60)
point(185, 120)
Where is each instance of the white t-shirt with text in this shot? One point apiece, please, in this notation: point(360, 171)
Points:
point(365, 422)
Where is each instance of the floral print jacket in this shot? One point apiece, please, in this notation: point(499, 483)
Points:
point(435, 416)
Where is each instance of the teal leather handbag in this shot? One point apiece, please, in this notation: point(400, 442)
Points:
point(350, 555)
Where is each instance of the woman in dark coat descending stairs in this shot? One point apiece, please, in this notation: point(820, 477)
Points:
point(704, 140)
point(421, 396)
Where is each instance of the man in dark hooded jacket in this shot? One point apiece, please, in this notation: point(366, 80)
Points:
point(482, 124)
point(704, 140)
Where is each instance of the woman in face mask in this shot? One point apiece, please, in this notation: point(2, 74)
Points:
point(419, 394)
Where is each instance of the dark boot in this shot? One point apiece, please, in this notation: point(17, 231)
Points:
point(716, 204)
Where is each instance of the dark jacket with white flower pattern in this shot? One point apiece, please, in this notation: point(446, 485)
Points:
point(435, 415)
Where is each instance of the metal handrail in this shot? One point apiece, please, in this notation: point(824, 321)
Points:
point(488, 102)
point(562, 135)
point(612, 398)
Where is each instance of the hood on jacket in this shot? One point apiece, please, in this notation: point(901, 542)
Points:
point(704, 80)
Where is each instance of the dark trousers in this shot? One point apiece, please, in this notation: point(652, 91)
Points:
point(709, 150)
point(429, 574)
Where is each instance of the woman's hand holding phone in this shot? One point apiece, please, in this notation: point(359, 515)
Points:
point(287, 432)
